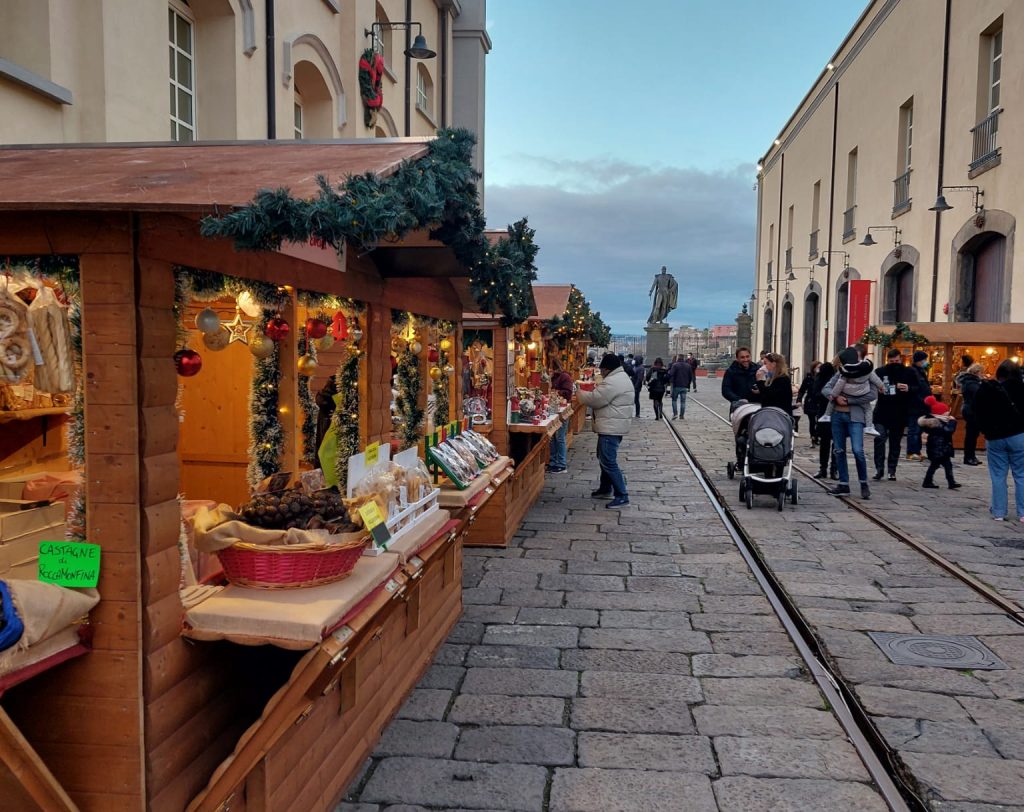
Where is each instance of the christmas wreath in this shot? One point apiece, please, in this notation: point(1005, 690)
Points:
point(901, 332)
point(371, 71)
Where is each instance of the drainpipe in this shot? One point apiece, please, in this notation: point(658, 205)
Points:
point(444, 67)
point(778, 255)
point(831, 214)
point(942, 160)
point(408, 70)
point(271, 71)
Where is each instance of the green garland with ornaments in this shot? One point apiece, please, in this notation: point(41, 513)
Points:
point(901, 333)
point(307, 402)
point(438, 192)
point(442, 385)
point(579, 322)
point(346, 416)
point(409, 386)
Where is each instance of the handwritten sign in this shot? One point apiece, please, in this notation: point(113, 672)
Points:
point(372, 454)
point(374, 521)
point(69, 563)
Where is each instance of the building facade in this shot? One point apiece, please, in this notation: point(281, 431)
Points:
point(917, 99)
point(224, 70)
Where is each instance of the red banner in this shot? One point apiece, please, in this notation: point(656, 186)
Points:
point(859, 315)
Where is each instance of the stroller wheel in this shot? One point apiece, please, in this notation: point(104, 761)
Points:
point(749, 496)
point(793, 492)
point(781, 499)
point(743, 490)
point(730, 469)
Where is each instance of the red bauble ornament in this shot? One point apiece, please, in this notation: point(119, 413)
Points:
point(187, 362)
point(339, 327)
point(277, 329)
point(315, 328)
point(432, 355)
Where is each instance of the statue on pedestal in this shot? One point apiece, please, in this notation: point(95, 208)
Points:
point(665, 291)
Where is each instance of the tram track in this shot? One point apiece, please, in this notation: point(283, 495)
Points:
point(1011, 608)
point(880, 760)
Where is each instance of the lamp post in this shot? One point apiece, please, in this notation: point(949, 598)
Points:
point(418, 49)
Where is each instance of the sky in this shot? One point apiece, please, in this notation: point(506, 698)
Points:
point(630, 139)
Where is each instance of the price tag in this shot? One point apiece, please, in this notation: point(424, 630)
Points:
point(372, 454)
point(69, 563)
point(374, 522)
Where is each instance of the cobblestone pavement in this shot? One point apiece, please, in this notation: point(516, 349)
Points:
point(960, 733)
point(616, 661)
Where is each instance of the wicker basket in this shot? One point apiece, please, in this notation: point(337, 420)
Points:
point(265, 566)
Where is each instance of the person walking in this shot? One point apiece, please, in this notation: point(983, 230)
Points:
point(610, 400)
point(658, 381)
point(940, 425)
point(639, 372)
point(915, 405)
point(773, 384)
point(826, 458)
point(970, 382)
point(892, 413)
point(694, 362)
point(803, 396)
point(847, 423)
point(562, 383)
point(999, 409)
point(681, 375)
point(738, 382)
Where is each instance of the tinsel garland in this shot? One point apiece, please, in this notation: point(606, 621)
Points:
point(345, 419)
point(310, 411)
point(438, 191)
point(409, 386)
point(442, 386)
point(579, 322)
point(266, 434)
point(901, 332)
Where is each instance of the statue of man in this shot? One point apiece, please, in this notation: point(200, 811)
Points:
point(665, 291)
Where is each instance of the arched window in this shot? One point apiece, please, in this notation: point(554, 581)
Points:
point(898, 294)
point(786, 332)
point(842, 315)
point(314, 102)
point(768, 332)
point(811, 325)
point(382, 36)
point(424, 91)
point(981, 288)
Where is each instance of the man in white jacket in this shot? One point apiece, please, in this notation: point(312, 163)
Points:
point(612, 402)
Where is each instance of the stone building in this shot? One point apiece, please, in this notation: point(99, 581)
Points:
point(915, 100)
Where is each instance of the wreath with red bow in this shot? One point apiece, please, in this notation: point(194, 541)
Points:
point(371, 72)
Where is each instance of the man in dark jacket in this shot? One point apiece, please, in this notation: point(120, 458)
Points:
point(681, 376)
point(739, 381)
point(694, 363)
point(915, 404)
point(891, 412)
point(639, 373)
point(999, 410)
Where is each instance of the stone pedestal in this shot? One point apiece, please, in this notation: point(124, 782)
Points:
point(657, 343)
point(744, 338)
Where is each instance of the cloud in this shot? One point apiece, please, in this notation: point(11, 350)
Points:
point(608, 226)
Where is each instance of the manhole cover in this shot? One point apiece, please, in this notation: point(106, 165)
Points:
point(938, 651)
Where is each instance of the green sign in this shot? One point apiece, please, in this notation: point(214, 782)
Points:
point(69, 563)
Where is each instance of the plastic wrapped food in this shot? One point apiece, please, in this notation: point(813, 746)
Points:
point(417, 483)
point(482, 447)
point(382, 484)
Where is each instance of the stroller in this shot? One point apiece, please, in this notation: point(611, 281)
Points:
point(739, 415)
point(768, 459)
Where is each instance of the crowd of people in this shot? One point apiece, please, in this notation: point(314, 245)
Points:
point(847, 399)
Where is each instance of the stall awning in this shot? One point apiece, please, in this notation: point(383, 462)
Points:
point(184, 177)
point(552, 300)
point(970, 332)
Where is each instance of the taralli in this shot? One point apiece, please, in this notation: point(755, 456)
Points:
point(9, 321)
point(15, 352)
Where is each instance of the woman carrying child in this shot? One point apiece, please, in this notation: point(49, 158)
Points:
point(850, 391)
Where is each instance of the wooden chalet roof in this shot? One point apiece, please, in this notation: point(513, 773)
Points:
point(551, 300)
point(184, 177)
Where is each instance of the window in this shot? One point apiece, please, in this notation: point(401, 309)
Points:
point(906, 136)
point(812, 252)
point(810, 328)
point(849, 218)
point(298, 115)
point(382, 36)
point(995, 69)
point(768, 336)
point(789, 238)
point(787, 331)
point(842, 315)
point(181, 53)
point(981, 279)
point(898, 294)
point(424, 91)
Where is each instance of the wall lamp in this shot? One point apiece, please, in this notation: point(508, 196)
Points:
point(824, 261)
point(418, 49)
point(942, 205)
point(869, 240)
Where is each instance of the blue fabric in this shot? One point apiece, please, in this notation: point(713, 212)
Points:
point(844, 428)
point(913, 435)
point(607, 455)
point(558, 459)
point(13, 628)
point(1005, 456)
point(680, 393)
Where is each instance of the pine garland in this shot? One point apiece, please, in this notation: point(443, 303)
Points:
point(438, 191)
point(579, 322)
point(266, 434)
point(442, 386)
point(409, 386)
point(901, 332)
point(310, 411)
point(346, 417)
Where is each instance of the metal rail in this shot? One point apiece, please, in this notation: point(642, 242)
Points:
point(878, 757)
point(1011, 608)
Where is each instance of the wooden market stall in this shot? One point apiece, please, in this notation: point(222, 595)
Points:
point(279, 695)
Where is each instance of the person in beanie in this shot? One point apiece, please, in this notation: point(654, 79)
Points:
point(848, 422)
point(970, 382)
point(940, 425)
point(891, 412)
point(562, 383)
point(612, 401)
point(658, 381)
point(916, 407)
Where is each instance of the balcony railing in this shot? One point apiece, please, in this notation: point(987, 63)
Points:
point(850, 223)
point(901, 193)
point(986, 150)
point(812, 251)
point(770, 277)
point(789, 258)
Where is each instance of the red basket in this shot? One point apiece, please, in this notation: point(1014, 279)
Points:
point(289, 567)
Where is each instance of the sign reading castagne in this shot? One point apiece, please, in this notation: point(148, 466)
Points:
point(69, 563)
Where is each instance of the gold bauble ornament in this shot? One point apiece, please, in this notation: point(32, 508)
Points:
point(416, 348)
point(215, 342)
point(446, 344)
point(435, 373)
point(325, 343)
point(307, 365)
point(261, 346)
point(449, 369)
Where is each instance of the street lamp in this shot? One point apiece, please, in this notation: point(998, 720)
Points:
point(941, 204)
point(869, 240)
point(418, 49)
point(824, 262)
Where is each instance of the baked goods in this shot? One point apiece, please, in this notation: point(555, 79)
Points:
point(52, 331)
point(15, 347)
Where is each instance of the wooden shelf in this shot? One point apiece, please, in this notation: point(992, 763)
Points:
point(30, 414)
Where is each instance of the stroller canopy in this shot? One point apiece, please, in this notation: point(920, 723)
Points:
point(770, 433)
